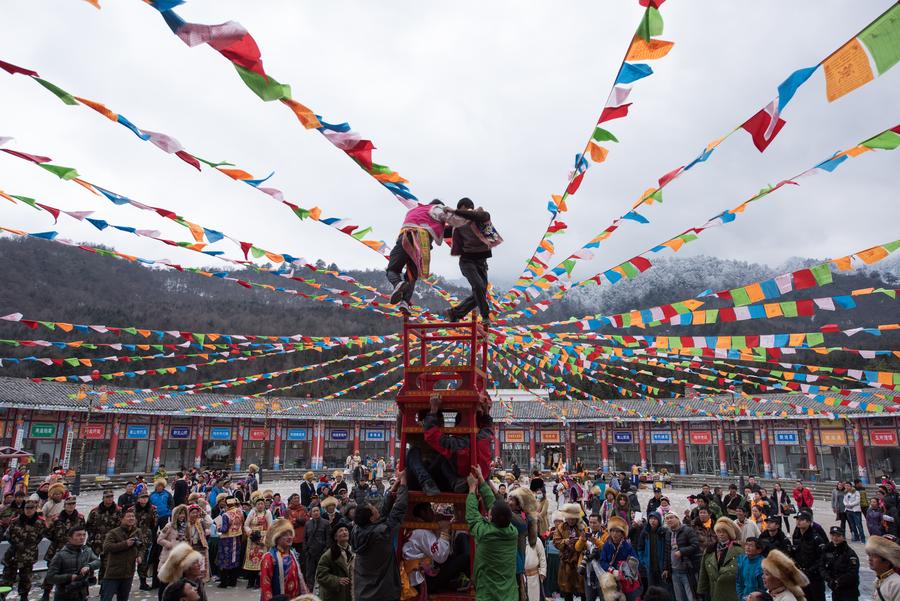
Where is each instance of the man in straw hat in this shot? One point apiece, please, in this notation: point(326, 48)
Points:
point(280, 572)
point(884, 559)
point(569, 537)
point(183, 562)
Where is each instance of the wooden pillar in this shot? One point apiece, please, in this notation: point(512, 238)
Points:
point(239, 447)
point(157, 444)
point(113, 447)
point(860, 452)
point(276, 453)
point(723, 457)
point(604, 448)
point(682, 451)
point(356, 433)
point(642, 445)
point(198, 445)
point(766, 450)
point(810, 450)
point(532, 453)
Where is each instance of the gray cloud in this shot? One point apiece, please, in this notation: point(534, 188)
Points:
point(487, 100)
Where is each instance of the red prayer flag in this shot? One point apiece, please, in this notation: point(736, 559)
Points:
point(245, 246)
point(669, 176)
point(804, 279)
point(362, 153)
point(13, 69)
point(641, 264)
point(34, 158)
point(245, 53)
point(188, 158)
point(757, 125)
point(805, 307)
point(575, 184)
point(613, 112)
point(727, 314)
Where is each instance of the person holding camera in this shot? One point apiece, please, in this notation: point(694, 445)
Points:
point(71, 571)
point(123, 549)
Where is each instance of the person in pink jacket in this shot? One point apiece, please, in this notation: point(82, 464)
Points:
point(422, 226)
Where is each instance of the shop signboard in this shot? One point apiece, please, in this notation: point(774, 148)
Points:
point(622, 437)
point(339, 435)
point(550, 436)
point(297, 434)
point(43, 430)
point(661, 437)
point(93, 432)
point(256, 434)
point(220, 433)
point(701, 437)
point(515, 435)
point(883, 438)
point(137, 432)
point(786, 437)
point(375, 435)
point(180, 432)
point(833, 438)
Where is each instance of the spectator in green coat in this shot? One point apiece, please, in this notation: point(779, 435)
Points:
point(495, 543)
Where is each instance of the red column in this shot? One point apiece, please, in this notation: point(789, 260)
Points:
point(392, 444)
point(570, 460)
point(496, 440)
point(532, 454)
point(239, 446)
point(723, 458)
point(810, 450)
point(766, 451)
point(860, 452)
point(157, 444)
point(276, 454)
point(604, 448)
point(682, 452)
point(198, 447)
point(113, 447)
point(356, 431)
point(642, 444)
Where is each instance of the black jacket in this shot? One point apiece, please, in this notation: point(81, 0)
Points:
point(808, 548)
point(307, 492)
point(840, 570)
point(68, 561)
point(687, 542)
point(767, 542)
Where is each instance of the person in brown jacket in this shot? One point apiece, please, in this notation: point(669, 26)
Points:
point(569, 538)
point(122, 549)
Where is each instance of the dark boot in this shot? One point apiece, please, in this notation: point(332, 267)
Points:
point(144, 586)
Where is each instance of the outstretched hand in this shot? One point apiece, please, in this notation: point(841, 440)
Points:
point(476, 471)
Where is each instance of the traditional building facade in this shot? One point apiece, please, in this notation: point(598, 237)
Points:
point(129, 434)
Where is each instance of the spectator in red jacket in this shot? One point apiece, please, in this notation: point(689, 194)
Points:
point(803, 497)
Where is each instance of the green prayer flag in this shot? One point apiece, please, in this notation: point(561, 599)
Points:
point(26, 200)
point(568, 265)
point(657, 196)
point(132, 331)
point(301, 212)
point(214, 165)
point(200, 338)
point(73, 361)
point(687, 237)
point(257, 252)
point(361, 233)
point(651, 24)
point(740, 297)
point(789, 308)
point(630, 270)
point(886, 140)
point(882, 38)
point(822, 273)
point(65, 173)
point(892, 246)
point(603, 135)
point(48, 324)
point(815, 338)
point(712, 315)
point(266, 88)
point(59, 92)
point(380, 169)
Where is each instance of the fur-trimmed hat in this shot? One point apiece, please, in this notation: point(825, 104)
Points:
point(728, 526)
point(784, 569)
point(309, 476)
point(56, 487)
point(327, 501)
point(159, 481)
point(180, 559)
point(617, 522)
point(278, 528)
point(255, 496)
point(252, 468)
point(338, 473)
point(526, 500)
point(557, 515)
point(882, 547)
point(571, 510)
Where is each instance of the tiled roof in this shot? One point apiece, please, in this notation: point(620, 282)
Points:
point(508, 405)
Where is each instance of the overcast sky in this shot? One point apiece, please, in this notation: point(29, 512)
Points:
point(489, 100)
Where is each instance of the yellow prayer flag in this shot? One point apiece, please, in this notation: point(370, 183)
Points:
point(846, 70)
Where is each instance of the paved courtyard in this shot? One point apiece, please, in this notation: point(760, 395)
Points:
point(678, 498)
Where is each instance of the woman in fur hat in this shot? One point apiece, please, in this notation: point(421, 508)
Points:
point(255, 527)
point(782, 578)
point(884, 559)
point(279, 572)
point(718, 572)
point(183, 562)
point(569, 538)
point(195, 532)
point(335, 568)
point(172, 533)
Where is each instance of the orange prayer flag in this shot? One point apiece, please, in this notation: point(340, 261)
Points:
point(99, 108)
point(773, 310)
point(846, 70)
point(598, 153)
point(675, 244)
point(7, 197)
point(315, 213)
point(392, 177)
point(643, 50)
point(856, 151)
point(645, 198)
point(274, 257)
point(86, 185)
point(796, 339)
point(560, 203)
point(144, 333)
point(755, 293)
point(94, 3)
point(238, 174)
point(843, 263)
point(305, 115)
point(65, 327)
point(872, 255)
point(196, 231)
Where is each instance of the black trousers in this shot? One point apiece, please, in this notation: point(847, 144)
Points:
point(397, 261)
point(476, 272)
point(437, 469)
